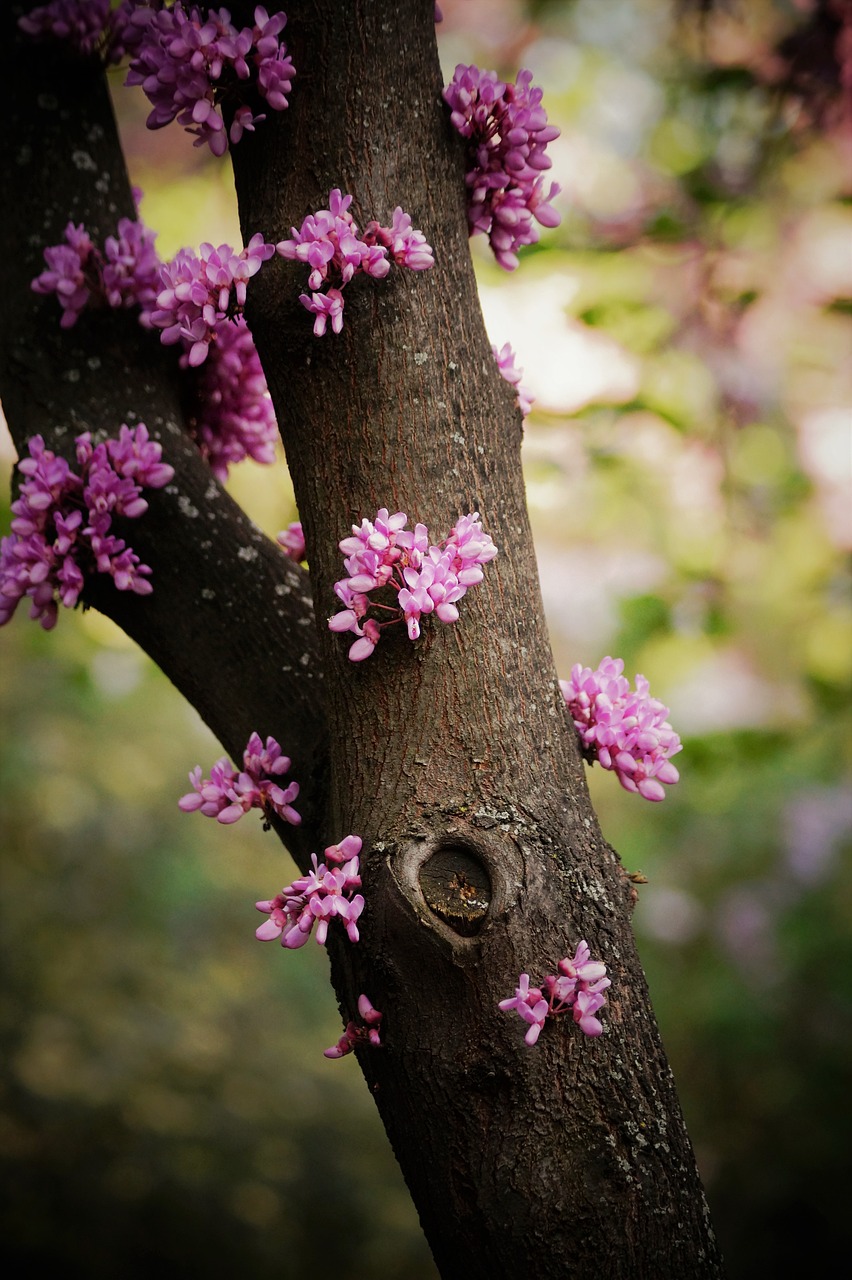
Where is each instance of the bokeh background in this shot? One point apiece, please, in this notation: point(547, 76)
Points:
point(164, 1103)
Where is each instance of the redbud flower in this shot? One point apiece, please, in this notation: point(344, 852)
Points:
point(61, 521)
point(505, 358)
point(579, 986)
point(228, 793)
point(324, 893)
point(189, 62)
point(292, 539)
point(330, 243)
point(625, 730)
point(426, 578)
point(125, 274)
point(231, 415)
point(507, 132)
point(200, 291)
point(355, 1034)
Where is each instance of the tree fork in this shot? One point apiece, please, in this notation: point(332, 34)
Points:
point(453, 759)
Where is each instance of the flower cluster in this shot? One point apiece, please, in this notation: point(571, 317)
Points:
point(505, 358)
point(316, 898)
point(202, 290)
point(426, 578)
point(62, 519)
point(507, 132)
point(89, 26)
point(367, 1033)
point(229, 410)
point(231, 415)
point(228, 793)
point(625, 730)
point(579, 986)
point(125, 273)
point(292, 539)
point(189, 62)
point(330, 244)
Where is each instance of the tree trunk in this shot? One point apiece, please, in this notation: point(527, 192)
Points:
point(453, 758)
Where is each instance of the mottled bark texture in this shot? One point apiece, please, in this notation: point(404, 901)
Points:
point(453, 758)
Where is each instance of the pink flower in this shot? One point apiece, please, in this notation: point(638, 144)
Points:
point(505, 358)
point(317, 898)
point(228, 793)
point(426, 578)
point(366, 1033)
point(507, 133)
point(231, 417)
point(293, 541)
point(202, 290)
point(625, 730)
point(578, 986)
point(530, 1004)
point(187, 61)
point(330, 243)
point(61, 521)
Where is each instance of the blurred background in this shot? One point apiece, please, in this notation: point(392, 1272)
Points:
point(686, 331)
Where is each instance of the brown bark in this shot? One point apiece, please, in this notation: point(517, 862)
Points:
point(570, 1159)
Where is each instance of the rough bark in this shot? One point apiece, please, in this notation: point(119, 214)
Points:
point(570, 1159)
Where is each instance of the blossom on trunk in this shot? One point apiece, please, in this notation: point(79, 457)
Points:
point(230, 793)
point(625, 730)
point(330, 243)
point(506, 130)
point(62, 518)
point(367, 1032)
point(578, 986)
point(427, 578)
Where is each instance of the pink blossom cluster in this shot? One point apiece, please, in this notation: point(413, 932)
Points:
point(329, 242)
point(579, 986)
point(190, 61)
point(125, 273)
point(231, 416)
point(505, 358)
point(229, 793)
point(200, 291)
point(426, 578)
point(366, 1033)
point(625, 730)
point(87, 25)
point(292, 539)
point(62, 519)
point(230, 413)
point(507, 132)
point(316, 898)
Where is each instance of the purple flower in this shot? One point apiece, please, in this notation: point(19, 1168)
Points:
point(365, 1033)
point(228, 793)
point(426, 578)
point(83, 23)
point(189, 62)
point(72, 273)
point(61, 521)
point(530, 1004)
point(325, 892)
point(231, 415)
point(507, 133)
point(505, 358)
point(329, 242)
point(292, 539)
point(125, 274)
point(200, 291)
point(625, 730)
point(578, 986)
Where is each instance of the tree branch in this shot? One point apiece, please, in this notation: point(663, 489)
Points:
point(230, 620)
